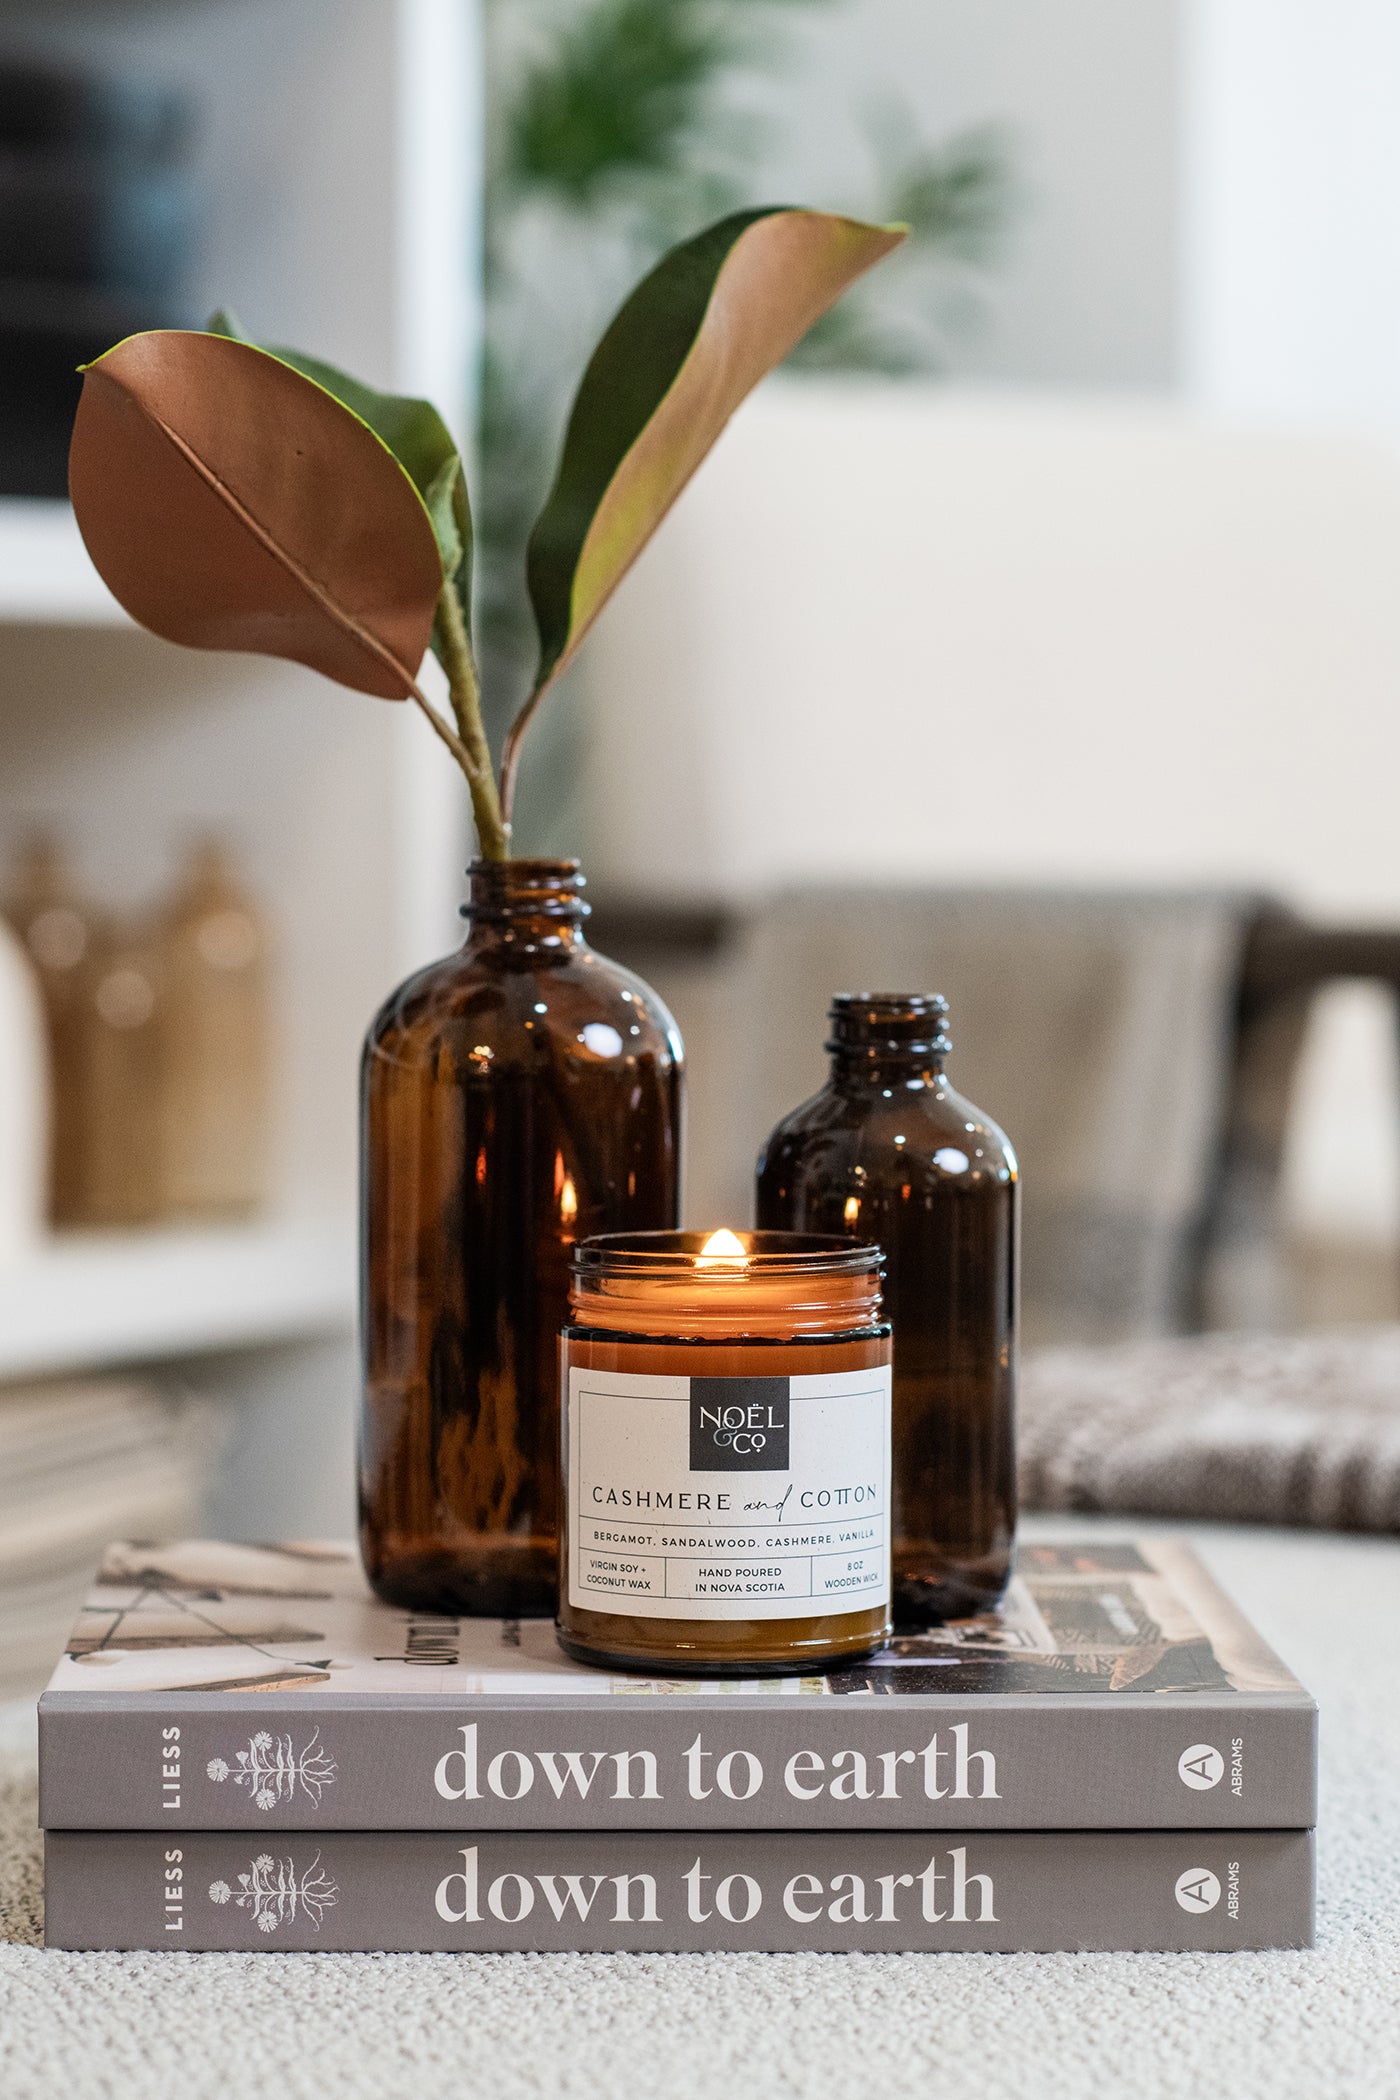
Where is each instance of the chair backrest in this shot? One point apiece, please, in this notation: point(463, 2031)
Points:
point(1098, 1027)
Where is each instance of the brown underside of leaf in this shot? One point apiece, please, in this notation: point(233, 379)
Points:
point(230, 504)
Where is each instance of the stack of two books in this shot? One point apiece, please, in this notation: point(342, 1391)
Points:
point(242, 1748)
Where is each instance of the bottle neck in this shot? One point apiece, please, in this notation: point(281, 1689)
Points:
point(526, 905)
point(854, 1071)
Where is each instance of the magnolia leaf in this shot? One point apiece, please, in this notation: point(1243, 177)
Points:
point(231, 503)
point(416, 435)
point(692, 340)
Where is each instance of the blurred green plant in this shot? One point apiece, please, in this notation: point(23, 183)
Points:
point(617, 127)
point(619, 95)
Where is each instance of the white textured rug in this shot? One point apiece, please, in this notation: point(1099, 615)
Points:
point(1318, 2026)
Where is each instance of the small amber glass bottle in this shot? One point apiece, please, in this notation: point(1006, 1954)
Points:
point(124, 1044)
point(62, 931)
point(215, 1077)
point(726, 1454)
point(515, 1096)
point(888, 1152)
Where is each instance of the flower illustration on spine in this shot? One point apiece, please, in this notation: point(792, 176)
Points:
point(273, 1770)
point(275, 1891)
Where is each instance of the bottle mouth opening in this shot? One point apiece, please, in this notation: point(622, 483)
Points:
point(903, 1023)
point(526, 889)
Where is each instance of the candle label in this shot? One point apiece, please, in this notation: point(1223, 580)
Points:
point(729, 1498)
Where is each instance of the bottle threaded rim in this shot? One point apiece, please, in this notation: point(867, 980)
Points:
point(901, 1024)
point(526, 889)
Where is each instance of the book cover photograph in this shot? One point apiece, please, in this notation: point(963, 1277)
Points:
point(235, 1685)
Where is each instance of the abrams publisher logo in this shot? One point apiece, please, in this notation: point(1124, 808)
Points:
point(1197, 1890)
point(1201, 1767)
point(739, 1425)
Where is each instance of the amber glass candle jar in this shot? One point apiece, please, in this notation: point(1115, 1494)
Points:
point(726, 1466)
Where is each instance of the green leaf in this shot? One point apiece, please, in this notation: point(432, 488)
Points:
point(693, 339)
point(416, 435)
point(231, 503)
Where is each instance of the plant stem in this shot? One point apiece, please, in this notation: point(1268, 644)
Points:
point(492, 830)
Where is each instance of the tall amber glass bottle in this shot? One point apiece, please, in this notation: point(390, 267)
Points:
point(887, 1152)
point(516, 1097)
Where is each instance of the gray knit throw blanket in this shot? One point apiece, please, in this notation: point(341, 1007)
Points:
point(1297, 1429)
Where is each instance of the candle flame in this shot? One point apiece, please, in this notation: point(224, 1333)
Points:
point(852, 1212)
point(721, 1249)
point(568, 1201)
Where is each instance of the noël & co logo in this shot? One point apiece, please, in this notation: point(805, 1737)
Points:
point(739, 1425)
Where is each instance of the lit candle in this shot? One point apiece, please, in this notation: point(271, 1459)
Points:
point(726, 1408)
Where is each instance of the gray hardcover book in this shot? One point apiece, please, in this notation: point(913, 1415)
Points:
point(213, 1687)
point(1003, 1891)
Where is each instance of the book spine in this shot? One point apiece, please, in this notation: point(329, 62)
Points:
point(704, 1763)
point(376, 1891)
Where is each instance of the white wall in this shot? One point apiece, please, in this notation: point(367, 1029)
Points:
point(1291, 222)
point(907, 632)
point(902, 631)
point(1089, 95)
point(1209, 189)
